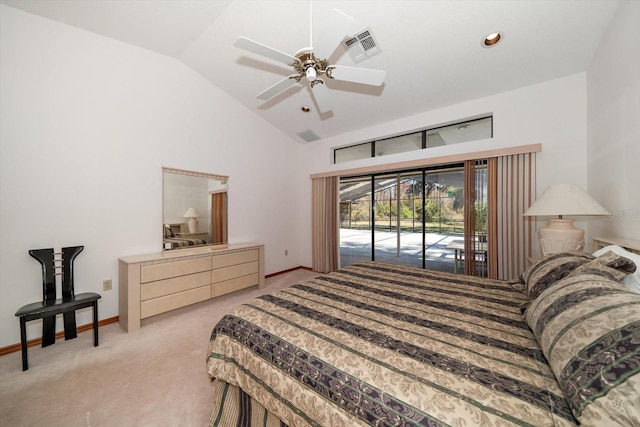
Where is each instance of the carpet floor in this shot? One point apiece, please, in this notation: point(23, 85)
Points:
point(155, 376)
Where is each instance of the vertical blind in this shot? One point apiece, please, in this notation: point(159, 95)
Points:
point(512, 185)
point(324, 224)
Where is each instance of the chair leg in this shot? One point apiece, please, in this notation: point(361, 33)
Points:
point(70, 329)
point(48, 331)
point(95, 323)
point(23, 343)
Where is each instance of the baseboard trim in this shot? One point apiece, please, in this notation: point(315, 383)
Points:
point(37, 341)
point(287, 271)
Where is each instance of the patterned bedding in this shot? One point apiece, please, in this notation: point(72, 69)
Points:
point(177, 242)
point(381, 344)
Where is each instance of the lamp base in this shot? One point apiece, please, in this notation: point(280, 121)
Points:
point(193, 225)
point(559, 235)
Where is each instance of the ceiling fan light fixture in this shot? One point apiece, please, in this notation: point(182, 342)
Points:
point(313, 69)
point(492, 39)
point(311, 74)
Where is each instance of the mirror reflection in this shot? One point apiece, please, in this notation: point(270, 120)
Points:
point(194, 209)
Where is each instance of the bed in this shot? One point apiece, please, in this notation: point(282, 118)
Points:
point(179, 242)
point(382, 344)
point(173, 240)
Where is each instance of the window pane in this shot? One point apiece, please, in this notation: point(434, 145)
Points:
point(470, 130)
point(461, 132)
point(356, 152)
point(355, 220)
point(399, 144)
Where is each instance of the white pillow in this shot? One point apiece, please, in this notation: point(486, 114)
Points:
point(631, 281)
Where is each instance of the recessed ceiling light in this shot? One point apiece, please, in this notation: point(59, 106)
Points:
point(305, 109)
point(491, 39)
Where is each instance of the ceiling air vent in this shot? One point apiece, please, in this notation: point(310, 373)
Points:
point(362, 45)
point(308, 135)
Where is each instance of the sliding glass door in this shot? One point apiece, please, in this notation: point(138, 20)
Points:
point(413, 218)
point(398, 225)
point(356, 222)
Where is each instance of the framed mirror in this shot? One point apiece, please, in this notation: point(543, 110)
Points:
point(194, 209)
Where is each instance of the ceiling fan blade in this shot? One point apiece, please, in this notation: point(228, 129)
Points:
point(269, 52)
point(278, 87)
point(321, 94)
point(364, 76)
point(331, 35)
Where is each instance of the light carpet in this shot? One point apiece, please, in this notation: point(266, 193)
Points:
point(155, 376)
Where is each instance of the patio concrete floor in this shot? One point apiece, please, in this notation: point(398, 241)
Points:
point(355, 245)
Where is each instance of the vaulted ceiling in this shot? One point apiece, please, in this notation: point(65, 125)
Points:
point(431, 50)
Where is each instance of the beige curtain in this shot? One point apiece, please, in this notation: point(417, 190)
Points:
point(492, 218)
point(324, 223)
point(469, 217)
point(475, 234)
point(512, 186)
point(218, 217)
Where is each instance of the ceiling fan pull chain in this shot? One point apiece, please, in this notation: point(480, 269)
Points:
point(307, 65)
point(311, 24)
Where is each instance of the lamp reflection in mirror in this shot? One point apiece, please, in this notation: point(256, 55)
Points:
point(559, 235)
point(192, 214)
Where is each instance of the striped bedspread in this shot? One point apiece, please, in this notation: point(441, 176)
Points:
point(381, 344)
point(182, 242)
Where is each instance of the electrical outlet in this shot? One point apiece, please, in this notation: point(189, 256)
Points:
point(286, 252)
point(107, 285)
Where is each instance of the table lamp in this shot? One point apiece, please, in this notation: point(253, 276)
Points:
point(192, 214)
point(559, 235)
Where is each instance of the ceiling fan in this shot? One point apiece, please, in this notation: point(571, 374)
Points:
point(307, 62)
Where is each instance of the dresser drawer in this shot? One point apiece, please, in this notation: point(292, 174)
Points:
point(233, 285)
point(156, 283)
point(225, 260)
point(171, 302)
point(153, 272)
point(174, 285)
point(227, 273)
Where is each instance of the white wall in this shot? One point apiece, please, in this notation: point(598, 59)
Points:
point(87, 124)
point(552, 113)
point(613, 89)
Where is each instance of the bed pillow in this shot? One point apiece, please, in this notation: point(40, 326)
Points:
point(609, 264)
point(588, 327)
point(550, 269)
point(631, 281)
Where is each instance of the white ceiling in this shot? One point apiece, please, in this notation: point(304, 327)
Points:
point(431, 50)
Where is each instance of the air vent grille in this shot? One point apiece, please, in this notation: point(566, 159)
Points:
point(362, 45)
point(308, 135)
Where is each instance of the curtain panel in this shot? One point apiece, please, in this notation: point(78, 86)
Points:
point(511, 183)
point(324, 223)
point(218, 217)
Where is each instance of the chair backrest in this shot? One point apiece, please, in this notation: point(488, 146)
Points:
point(69, 255)
point(52, 267)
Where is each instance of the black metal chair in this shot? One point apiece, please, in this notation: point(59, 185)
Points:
point(50, 307)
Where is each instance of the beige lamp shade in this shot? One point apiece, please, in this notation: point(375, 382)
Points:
point(192, 214)
point(558, 200)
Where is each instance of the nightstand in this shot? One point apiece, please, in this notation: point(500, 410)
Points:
point(632, 245)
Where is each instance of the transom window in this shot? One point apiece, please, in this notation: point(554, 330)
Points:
point(464, 131)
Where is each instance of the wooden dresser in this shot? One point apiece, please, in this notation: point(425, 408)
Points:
point(156, 283)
